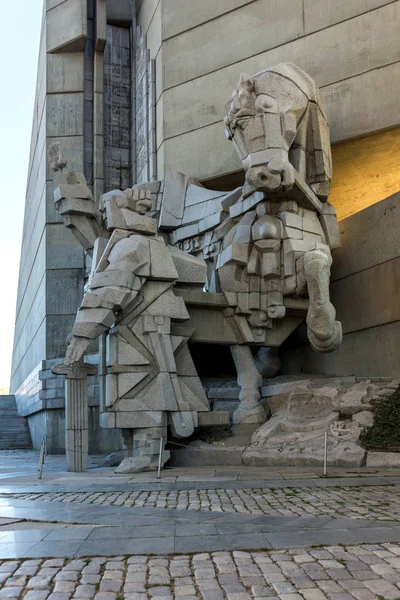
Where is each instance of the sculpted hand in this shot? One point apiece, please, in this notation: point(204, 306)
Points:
point(76, 349)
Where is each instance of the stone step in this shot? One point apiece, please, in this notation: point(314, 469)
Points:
point(206, 455)
point(14, 430)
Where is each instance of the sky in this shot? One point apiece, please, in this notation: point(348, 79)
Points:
point(19, 50)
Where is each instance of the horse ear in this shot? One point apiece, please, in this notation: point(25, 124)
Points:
point(246, 81)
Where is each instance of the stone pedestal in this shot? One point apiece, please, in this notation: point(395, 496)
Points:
point(76, 413)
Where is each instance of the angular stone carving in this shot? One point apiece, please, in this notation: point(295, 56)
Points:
point(262, 253)
point(295, 433)
point(270, 241)
point(149, 378)
point(76, 413)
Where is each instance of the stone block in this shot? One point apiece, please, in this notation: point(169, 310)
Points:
point(64, 115)
point(113, 277)
point(355, 400)
point(224, 393)
point(211, 327)
point(190, 269)
point(119, 351)
point(364, 418)
point(181, 53)
point(192, 153)
point(270, 264)
point(103, 316)
point(313, 237)
point(355, 354)
point(126, 384)
point(107, 420)
point(213, 419)
point(202, 209)
point(62, 249)
point(58, 329)
point(100, 33)
point(30, 315)
point(197, 194)
point(298, 246)
point(64, 72)
point(203, 454)
point(275, 403)
point(193, 395)
point(383, 218)
point(383, 460)
point(210, 222)
point(372, 309)
point(330, 227)
point(71, 37)
point(140, 420)
point(173, 199)
point(235, 253)
point(169, 306)
point(319, 15)
point(161, 263)
point(225, 405)
point(180, 16)
point(283, 388)
point(139, 223)
point(122, 10)
point(346, 120)
point(346, 454)
point(291, 220)
point(311, 223)
point(154, 33)
point(72, 146)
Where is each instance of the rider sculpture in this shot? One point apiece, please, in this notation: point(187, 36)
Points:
point(259, 246)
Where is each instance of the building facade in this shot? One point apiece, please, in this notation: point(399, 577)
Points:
point(132, 90)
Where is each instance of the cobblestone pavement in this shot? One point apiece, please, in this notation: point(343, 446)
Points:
point(372, 502)
point(363, 572)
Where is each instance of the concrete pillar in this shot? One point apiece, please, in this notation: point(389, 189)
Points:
point(76, 413)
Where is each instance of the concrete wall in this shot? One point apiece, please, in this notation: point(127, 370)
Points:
point(41, 399)
point(365, 291)
point(52, 262)
point(348, 47)
point(365, 170)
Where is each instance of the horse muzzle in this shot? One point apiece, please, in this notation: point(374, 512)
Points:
point(273, 176)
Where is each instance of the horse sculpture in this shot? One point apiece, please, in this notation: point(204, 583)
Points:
point(260, 249)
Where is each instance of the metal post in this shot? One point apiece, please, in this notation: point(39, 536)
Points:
point(41, 459)
point(159, 459)
point(326, 454)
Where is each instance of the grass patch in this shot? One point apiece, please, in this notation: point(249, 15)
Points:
point(384, 434)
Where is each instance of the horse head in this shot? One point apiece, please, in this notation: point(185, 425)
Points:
point(253, 123)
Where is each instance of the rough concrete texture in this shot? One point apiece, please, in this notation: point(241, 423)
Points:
point(296, 432)
point(383, 459)
point(302, 411)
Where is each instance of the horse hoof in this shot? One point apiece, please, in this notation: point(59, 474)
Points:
point(328, 344)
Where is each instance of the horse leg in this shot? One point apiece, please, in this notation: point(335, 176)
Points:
point(267, 361)
point(324, 333)
point(249, 379)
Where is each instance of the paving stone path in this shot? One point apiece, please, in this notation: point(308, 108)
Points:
point(363, 572)
point(372, 502)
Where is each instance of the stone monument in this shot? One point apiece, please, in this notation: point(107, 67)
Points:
point(255, 252)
